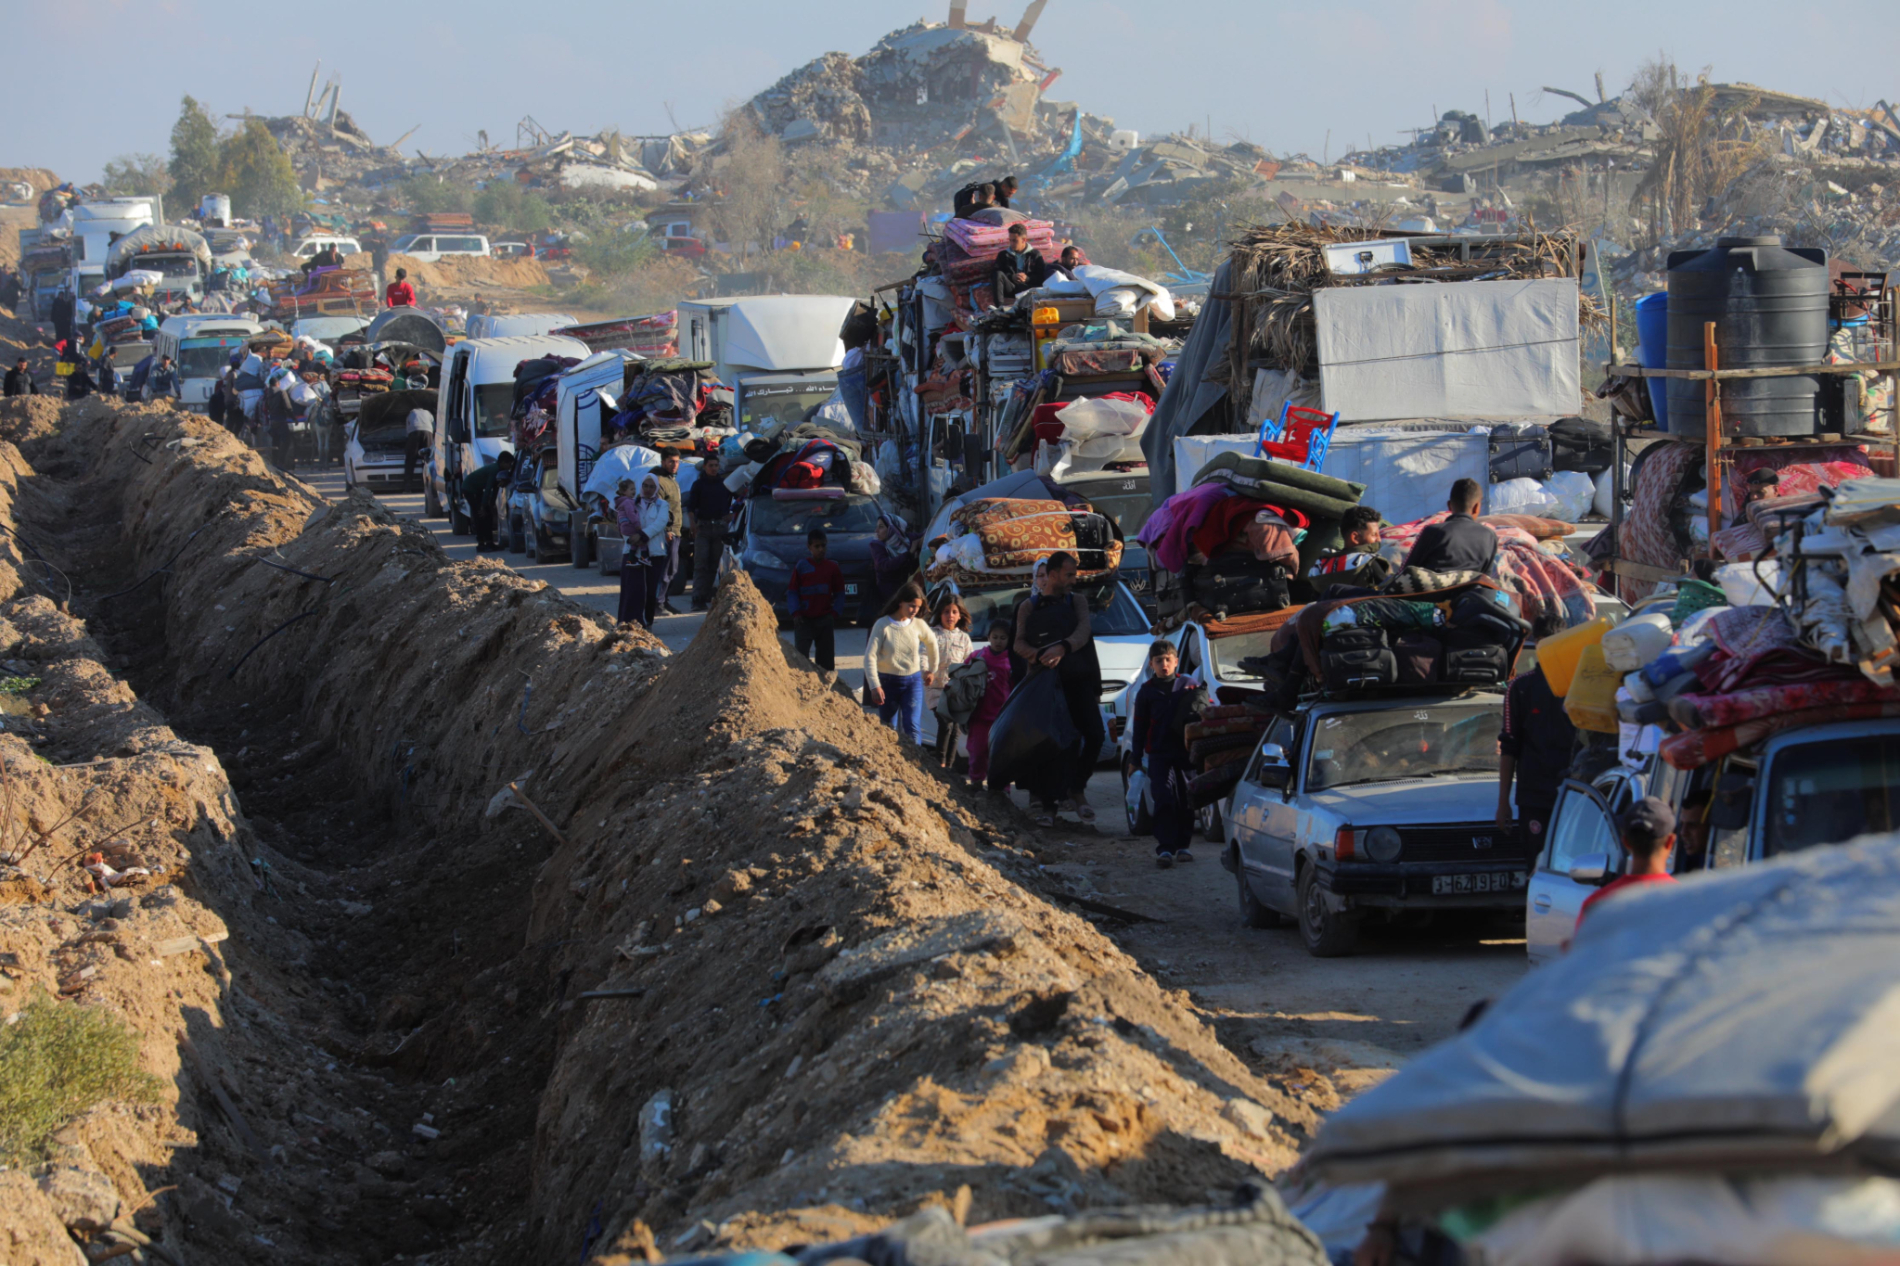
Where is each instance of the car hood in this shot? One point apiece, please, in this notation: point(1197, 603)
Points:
point(1121, 658)
point(1412, 801)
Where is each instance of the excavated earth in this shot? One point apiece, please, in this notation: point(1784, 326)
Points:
point(727, 967)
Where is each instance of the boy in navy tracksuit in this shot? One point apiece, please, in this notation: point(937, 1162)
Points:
point(1156, 736)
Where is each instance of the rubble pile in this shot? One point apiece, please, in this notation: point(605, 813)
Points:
point(849, 995)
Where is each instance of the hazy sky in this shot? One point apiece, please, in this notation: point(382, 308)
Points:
point(1281, 75)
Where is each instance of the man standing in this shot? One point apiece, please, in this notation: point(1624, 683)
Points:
point(1648, 831)
point(63, 307)
point(162, 382)
point(479, 487)
point(1053, 632)
point(419, 430)
point(811, 599)
point(668, 566)
point(711, 506)
point(20, 381)
point(1536, 740)
point(1018, 268)
point(399, 293)
point(1460, 543)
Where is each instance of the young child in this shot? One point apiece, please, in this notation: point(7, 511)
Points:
point(1156, 739)
point(994, 653)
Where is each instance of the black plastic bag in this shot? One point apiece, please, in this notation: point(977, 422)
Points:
point(1034, 734)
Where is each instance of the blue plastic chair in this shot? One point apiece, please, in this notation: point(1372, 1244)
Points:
point(1299, 435)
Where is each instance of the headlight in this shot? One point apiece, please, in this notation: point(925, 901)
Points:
point(1382, 844)
point(756, 557)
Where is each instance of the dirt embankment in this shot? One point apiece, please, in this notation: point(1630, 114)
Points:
point(774, 981)
point(471, 272)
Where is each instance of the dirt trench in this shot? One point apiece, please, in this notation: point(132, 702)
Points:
point(760, 979)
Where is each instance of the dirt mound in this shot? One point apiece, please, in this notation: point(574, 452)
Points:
point(762, 978)
point(25, 418)
point(39, 177)
point(470, 272)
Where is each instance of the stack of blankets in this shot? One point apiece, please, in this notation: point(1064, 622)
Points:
point(998, 538)
point(1219, 744)
point(1531, 564)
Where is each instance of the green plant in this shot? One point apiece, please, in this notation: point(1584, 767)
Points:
point(137, 174)
point(431, 193)
point(611, 253)
point(505, 204)
point(56, 1061)
point(195, 165)
point(258, 173)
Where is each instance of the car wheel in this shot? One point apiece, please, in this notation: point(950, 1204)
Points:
point(1252, 913)
point(431, 506)
point(1213, 829)
point(1140, 820)
point(1326, 933)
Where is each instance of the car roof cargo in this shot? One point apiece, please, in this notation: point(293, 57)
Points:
point(391, 407)
point(407, 326)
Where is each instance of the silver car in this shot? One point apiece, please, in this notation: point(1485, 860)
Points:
point(1367, 807)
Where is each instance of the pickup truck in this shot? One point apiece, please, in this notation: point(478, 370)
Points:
point(1374, 807)
point(1807, 787)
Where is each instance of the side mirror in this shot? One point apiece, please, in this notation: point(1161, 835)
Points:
point(1592, 869)
point(1273, 770)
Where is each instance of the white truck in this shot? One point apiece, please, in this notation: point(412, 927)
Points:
point(476, 395)
point(178, 254)
point(94, 226)
point(779, 353)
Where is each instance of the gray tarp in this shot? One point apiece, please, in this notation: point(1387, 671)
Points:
point(407, 326)
point(1743, 1019)
point(1190, 393)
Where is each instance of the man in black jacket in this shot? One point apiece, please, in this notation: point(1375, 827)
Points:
point(1460, 543)
point(1021, 267)
point(20, 381)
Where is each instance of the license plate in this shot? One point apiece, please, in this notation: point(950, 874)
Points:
point(1455, 885)
point(851, 591)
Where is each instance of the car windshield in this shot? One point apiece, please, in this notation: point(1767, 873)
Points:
point(493, 402)
point(1128, 507)
point(1828, 793)
point(1227, 652)
point(170, 265)
point(1404, 742)
point(1112, 613)
point(205, 360)
point(796, 518)
point(780, 404)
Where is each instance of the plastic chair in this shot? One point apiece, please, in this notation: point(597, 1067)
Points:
point(1300, 436)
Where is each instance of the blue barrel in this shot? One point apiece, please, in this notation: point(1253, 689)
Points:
point(1769, 305)
point(1652, 350)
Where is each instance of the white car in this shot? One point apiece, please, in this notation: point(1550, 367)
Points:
point(376, 440)
point(312, 244)
point(430, 247)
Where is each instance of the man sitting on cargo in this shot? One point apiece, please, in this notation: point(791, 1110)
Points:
point(1019, 268)
point(1357, 565)
point(1005, 190)
point(1066, 263)
point(1460, 543)
point(1648, 830)
point(972, 198)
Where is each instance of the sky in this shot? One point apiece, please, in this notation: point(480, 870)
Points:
point(1317, 78)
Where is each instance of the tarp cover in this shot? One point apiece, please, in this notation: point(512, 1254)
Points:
point(408, 327)
point(1191, 392)
point(1742, 1019)
point(1407, 472)
point(1477, 349)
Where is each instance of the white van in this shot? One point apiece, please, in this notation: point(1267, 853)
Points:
point(311, 244)
point(471, 417)
point(429, 247)
point(200, 345)
point(490, 325)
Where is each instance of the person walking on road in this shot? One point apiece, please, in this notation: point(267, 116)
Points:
point(399, 293)
point(162, 382)
point(419, 433)
point(951, 627)
point(1053, 634)
point(1156, 742)
point(479, 487)
point(643, 527)
point(668, 477)
point(812, 601)
point(1536, 743)
point(711, 505)
point(62, 310)
point(995, 654)
point(20, 381)
point(899, 657)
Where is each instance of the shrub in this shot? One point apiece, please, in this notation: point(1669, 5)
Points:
point(56, 1061)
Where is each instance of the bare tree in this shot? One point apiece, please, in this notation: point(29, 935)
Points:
point(747, 178)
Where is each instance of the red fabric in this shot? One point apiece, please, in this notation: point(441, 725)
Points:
point(1541, 580)
point(1756, 646)
point(1825, 468)
point(802, 475)
point(1696, 748)
point(1700, 711)
point(1619, 884)
point(399, 294)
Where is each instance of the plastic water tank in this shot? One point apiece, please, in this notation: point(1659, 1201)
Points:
point(1652, 348)
point(1769, 305)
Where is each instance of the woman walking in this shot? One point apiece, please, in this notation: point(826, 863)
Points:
point(951, 626)
point(643, 521)
point(899, 656)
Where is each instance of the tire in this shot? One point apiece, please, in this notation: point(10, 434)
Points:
point(517, 544)
point(580, 542)
point(431, 507)
point(1213, 829)
point(1140, 820)
point(1252, 913)
point(1325, 933)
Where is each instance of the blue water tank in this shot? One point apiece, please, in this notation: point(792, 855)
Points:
point(1652, 350)
point(1769, 305)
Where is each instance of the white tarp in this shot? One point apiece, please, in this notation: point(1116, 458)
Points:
point(1505, 350)
point(1740, 1018)
point(1407, 473)
point(1105, 283)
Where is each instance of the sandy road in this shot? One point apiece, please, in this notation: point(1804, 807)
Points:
point(1327, 1026)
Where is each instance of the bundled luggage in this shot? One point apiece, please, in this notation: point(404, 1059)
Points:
point(1234, 582)
point(1520, 450)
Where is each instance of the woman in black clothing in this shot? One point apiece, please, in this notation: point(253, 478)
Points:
point(1053, 634)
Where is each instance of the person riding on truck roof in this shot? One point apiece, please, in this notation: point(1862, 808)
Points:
point(399, 293)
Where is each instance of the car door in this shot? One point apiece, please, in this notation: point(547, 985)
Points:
point(1253, 798)
point(1580, 825)
point(1278, 832)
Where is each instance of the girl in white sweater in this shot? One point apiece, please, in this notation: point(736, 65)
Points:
point(900, 654)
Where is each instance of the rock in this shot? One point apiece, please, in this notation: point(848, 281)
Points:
point(855, 970)
point(84, 1199)
point(31, 1233)
point(387, 1164)
point(1249, 1116)
point(656, 1128)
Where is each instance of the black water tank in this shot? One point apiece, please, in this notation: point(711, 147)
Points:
point(1769, 305)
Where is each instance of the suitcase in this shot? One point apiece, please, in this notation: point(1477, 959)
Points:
point(1355, 637)
point(1475, 665)
point(1357, 669)
point(1520, 450)
point(1421, 659)
point(1581, 445)
point(1237, 582)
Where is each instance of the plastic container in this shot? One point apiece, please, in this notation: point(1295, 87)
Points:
point(1652, 350)
point(1769, 305)
point(1750, 584)
point(1558, 654)
point(1591, 701)
point(1637, 640)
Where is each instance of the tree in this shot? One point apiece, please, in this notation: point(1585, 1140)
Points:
point(257, 173)
point(195, 164)
point(749, 182)
point(137, 174)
